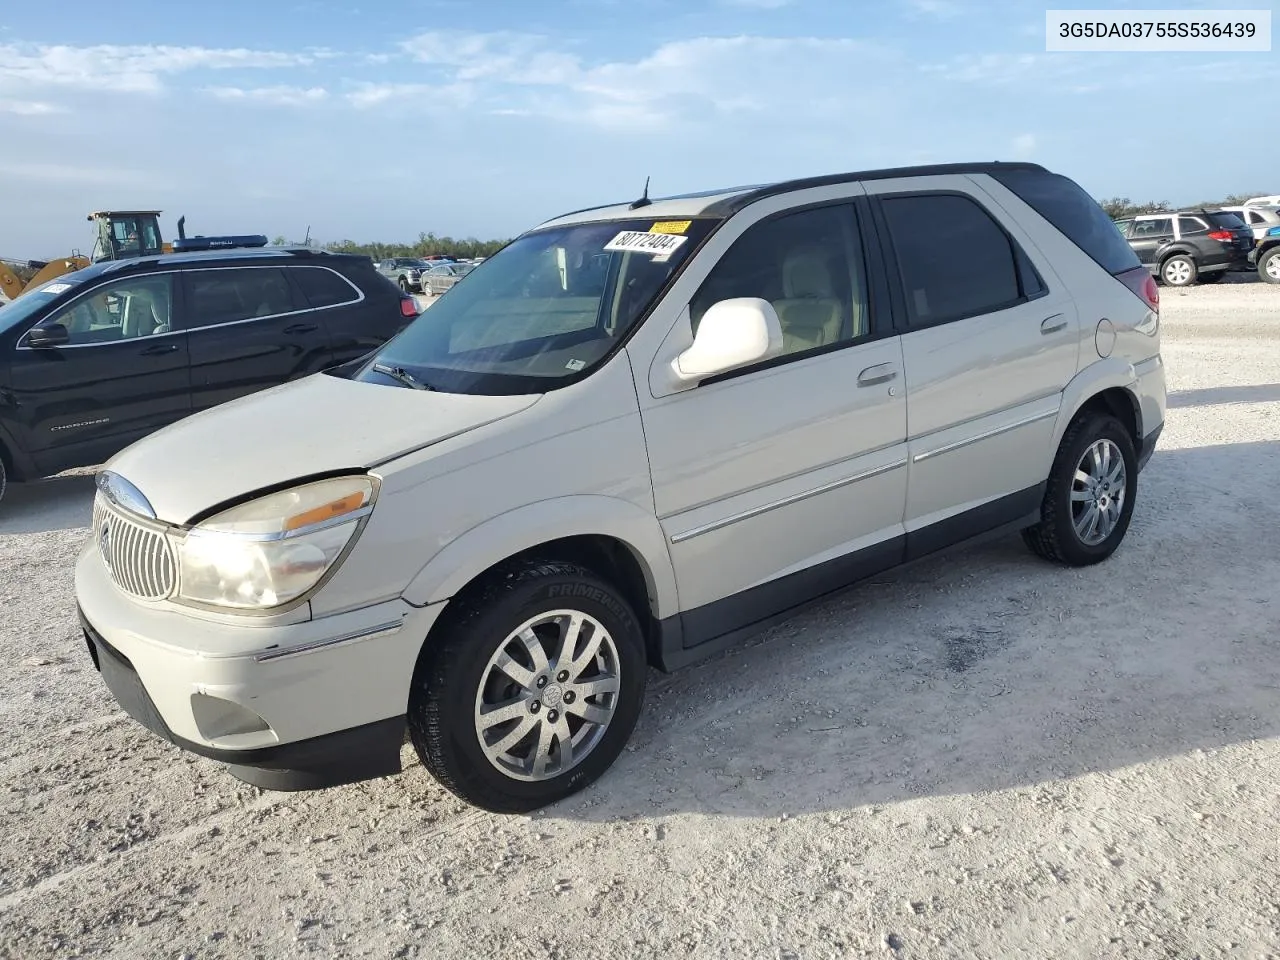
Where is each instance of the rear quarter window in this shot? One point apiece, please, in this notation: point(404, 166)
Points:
point(1074, 213)
point(1226, 219)
point(323, 287)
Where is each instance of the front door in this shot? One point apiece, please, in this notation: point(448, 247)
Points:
point(778, 483)
point(991, 339)
point(123, 374)
point(250, 329)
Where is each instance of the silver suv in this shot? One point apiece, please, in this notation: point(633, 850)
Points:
point(637, 434)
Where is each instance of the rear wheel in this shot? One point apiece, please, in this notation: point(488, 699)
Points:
point(1269, 265)
point(531, 689)
point(1178, 271)
point(1088, 501)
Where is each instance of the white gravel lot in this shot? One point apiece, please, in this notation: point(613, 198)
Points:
point(982, 756)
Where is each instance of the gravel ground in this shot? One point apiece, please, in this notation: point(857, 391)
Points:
point(982, 756)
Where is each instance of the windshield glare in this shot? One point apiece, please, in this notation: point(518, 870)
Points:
point(547, 307)
point(31, 303)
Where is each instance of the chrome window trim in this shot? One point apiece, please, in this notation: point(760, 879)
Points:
point(208, 326)
point(785, 501)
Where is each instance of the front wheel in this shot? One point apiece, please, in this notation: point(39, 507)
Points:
point(531, 689)
point(1088, 500)
point(404, 285)
point(1178, 271)
point(1269, 265)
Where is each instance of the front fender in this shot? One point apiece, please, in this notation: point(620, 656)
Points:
point(465, 558)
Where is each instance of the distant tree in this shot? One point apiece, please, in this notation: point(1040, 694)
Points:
point(427, 244)
point(1117, 208)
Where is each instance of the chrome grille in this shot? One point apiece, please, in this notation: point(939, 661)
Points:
point(138, 557)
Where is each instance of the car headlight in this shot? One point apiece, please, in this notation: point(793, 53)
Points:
point(269, 551)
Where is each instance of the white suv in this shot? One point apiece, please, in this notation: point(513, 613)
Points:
point(634, 435)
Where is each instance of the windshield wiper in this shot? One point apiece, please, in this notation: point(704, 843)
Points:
point(401, 375)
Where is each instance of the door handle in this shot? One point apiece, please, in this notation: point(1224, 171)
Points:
point(1053, 324)
point(880, 373)
point(302, 328)
point(156, 349)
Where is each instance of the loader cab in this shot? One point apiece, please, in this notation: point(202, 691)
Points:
point(125, 234)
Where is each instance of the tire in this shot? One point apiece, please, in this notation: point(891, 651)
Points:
point(458, 674)
point(1057, 537)
point(1269, 266)
point(404, 285)
point(1178, 271)
point(4, 478)
point(1212, 277)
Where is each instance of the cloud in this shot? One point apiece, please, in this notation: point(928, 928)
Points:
point(70, 174)
point(524, 74)
point(1024, 145)
point(30, 108)
point(938, 9)
point(128, 69)
point(412, 97)
point(280, 96)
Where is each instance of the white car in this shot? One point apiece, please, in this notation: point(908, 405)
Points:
point(641, 433)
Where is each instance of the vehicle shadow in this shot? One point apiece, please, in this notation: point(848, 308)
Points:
point(59, 503)
point(1252, 393)
point(987, 669)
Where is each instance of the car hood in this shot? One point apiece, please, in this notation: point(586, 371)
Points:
point(318, 424)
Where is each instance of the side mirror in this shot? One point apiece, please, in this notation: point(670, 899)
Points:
point(48, 335)
point(733, 333)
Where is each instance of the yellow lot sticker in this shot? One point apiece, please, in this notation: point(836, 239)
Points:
point(671, 226)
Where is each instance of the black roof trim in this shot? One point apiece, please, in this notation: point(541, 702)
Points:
point(734, 204)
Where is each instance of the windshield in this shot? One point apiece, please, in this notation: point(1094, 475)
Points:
point(549, 306)
point(29, 304)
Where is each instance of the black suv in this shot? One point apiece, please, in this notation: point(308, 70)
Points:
point(102, 356)
point(1189, 245)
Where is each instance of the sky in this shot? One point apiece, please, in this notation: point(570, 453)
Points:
point(379, 121)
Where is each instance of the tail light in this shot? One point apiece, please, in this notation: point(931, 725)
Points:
point(408, 307)
point(1224, 235)
point(1143, 285)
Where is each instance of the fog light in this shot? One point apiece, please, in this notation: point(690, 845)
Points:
point(217, 718)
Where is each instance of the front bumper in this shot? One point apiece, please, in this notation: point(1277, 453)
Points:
point(298, 706)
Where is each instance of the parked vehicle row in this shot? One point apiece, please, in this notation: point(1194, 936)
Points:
point(411, 274)
point(1189, 246)
point(638, 434)
point(104, 355)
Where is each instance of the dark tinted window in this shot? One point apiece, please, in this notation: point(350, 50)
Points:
point(1064, 204)
point(1226, 218)
point(225, 296)
point(323, 287)
point(808, 265)
point(1028, 275)
point(1191, 225)
point(1254, 216)
point(1159, 227)
point(954, 259)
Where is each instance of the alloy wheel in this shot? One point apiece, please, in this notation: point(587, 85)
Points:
point(1098, 492)
point(547, 695)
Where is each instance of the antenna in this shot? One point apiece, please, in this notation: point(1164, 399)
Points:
point(644, 200)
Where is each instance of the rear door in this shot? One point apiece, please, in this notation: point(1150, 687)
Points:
point(1149, 238)
point(250, 329)
point(124, 373)
point(357, 320)
point(991, 339)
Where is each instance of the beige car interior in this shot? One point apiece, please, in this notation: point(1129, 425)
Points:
point(811, 311)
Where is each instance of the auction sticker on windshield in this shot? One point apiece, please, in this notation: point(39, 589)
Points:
point(635, 241)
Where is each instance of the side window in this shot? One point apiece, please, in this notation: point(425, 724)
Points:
point(124, 310)
point(226, 296)
point(954, 259)
point(1254, 217)
point(1148, 229)
point(809, 265)
point(1124, 226)
point(323, 287)
point(1191, 225)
